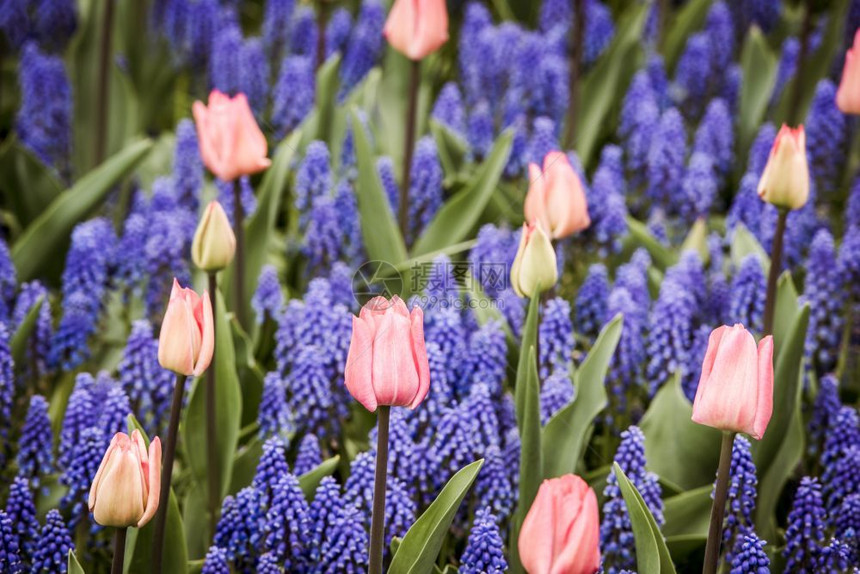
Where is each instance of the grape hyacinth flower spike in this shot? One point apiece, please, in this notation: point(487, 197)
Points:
point(232, 146)
point(784, 184)
point(416, 29)
point(185, 346)
point(386, 366)
point(212, 250)
point(735, 394)
point(126, 489)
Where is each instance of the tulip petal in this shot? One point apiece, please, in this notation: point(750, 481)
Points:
point(764, 404)
point(395, 379)
point(536, 541)
point(708, 364)
point(91, 501)
point(153, 475)
point(419, 355)
point(359, 363)
point(207, 345)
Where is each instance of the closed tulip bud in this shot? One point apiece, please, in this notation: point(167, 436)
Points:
point(785, 181)
point(231, 143)
point(535, 267)
point(187, 338)
point(735, 390)
point(556, 197)
point(417, 28)
point(561, 531)
point(387, 362)
point(848, 95)
point(126, 488)
point(214, 242)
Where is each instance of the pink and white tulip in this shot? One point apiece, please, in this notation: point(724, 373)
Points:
point(187, 339)
point(848, 95)
point(231, 143)
point(417, 28)
point(387, 361)
point(561, 531)
point(556, 197)
point(785, 180)
point(735, 390)
point(127, 486)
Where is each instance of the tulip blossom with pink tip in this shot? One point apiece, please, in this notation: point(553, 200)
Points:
point(556, 197)
point(126, 488)
point(785, 180)
point(417, 28)
point(187, 338)
point(387, 362)
point(231, 143)
point(848, 95)
point(735, 390)
point(560, 534)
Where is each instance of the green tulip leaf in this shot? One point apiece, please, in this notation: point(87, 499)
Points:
point(420, 547)
point(452, 148)
point(690, 17)
point(744, 243)
point(688, 513)
point(758, 65)
point(326, 97)
point(175, 556)
point(566, 433)
point(28, 185)
point(21, 338)
point(310, 480)
point(72, 565)
point(528, 340)
point(662, 256)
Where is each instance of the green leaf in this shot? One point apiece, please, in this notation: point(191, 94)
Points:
point(697, 240)
point(420, 547)
point(528, 340)
point(21, 338)
point(72, 565)
point(651, 552)
point(744, 243)
point(175, 555)
point(690, 17)
point(260, 227)
point(310, 480)
point(326, 96)
point(44, 242)
point(245, 465)
point(785, 312)
point(781, 448)
point(677, 449)
point(458, 216)
point(452, 149)
point(382, 238)
point(28, 185)
point(228, 406)
point(195, 517)
point(688, 513)
point(606, 83)
point(565, 435)
point(662, 256)
point(758, 65)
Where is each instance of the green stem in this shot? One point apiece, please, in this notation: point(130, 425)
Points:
point(322, 18)
point(578, 31)
point(773, 275)
point(799, 82)
point(715, 530)
point(411, 112)
point(167, 473)
point(213, 466)
point(118, 550)
point(377, 526)
point(239, 268)
point(104, 81)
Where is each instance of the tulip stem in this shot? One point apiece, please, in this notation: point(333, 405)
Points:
point(104, 81)
point(239, 269)
point(578, 31)
point(214, 468)
point(167, 473)
point(411, 112)
point(377, 527)
point(118, 550)
point(799, 82)
point(715, 531)
point(773, 274)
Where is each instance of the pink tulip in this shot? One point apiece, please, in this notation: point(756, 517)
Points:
point(187, 338)
point(417, 28)
point(127, 485)
point(785, 180)
point(735, 390)
point(231, 144)
point(387, 361)
point(848, 95)
point(561, 531)
point(556, 197)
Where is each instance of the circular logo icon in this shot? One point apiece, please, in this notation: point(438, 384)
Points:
point(374, 279)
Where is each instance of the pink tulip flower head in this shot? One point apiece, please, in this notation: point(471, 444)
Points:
point(785, 180)
point(417, 28)
point(387, 362)
point(187, 338)
point(127, 485)
point(848, 95)
point(231, 143)
point(560, 533)
point(735, 390)
point(556, 197)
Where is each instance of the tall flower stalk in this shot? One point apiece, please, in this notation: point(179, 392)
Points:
point(104, 81)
